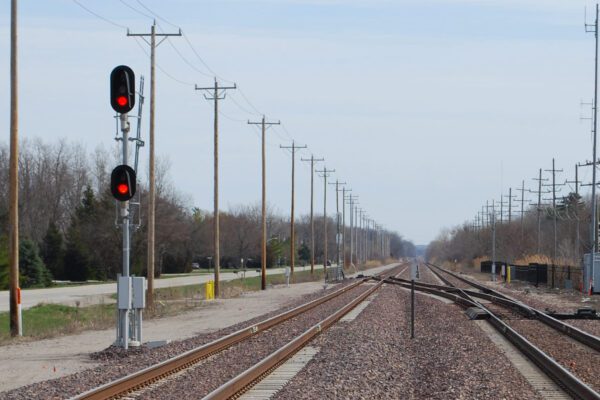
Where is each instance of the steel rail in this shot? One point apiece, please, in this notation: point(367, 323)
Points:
point(523, 309)
point(479, 286)
point(553, 369)
point(247, 378)
point(158, 371)
point(153, 373)
point(581, 336)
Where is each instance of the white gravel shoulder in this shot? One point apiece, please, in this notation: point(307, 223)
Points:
point(29, 362)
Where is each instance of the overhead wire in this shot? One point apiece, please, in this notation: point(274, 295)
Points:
point(153, 15)
point(99, 16)
point(135, 9)
point(240, 106)
point(185, 59)
point(156, 15)
point(180, 81)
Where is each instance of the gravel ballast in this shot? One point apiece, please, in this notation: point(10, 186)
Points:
point(115, 363)
point(374, 357)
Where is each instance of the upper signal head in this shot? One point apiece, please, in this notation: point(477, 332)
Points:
point(122, 89)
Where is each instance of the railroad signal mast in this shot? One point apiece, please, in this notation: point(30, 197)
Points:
point(131, 292)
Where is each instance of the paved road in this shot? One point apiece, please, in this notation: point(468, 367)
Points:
point(100, 293)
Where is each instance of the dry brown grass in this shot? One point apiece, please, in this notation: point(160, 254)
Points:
point(543, 259)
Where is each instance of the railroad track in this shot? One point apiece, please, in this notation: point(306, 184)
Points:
point(133, 384)
point(466, 298)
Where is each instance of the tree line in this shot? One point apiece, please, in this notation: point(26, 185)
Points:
point(527, 237)
point(68, 230)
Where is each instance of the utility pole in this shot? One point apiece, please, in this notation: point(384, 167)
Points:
point(16, 328)
point(325, 173)
point(522, 190)
point(356, 226)
point(263, 258)
point(361, 256)
point(576, 182)
point(151, 185)
point(539, 208)
point(337, 184)
point(493, 241)
point(344, 190)
point(510, 199)
point(312, 160)
point(554, 184)
point(352, 201)
point(594, 224)
point(219, 93)
point(294, 148)
point(502, 203)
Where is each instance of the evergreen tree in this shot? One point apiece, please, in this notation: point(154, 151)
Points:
point(77, 262)
point(304, 253)
point(32, 271)
point(52, 251)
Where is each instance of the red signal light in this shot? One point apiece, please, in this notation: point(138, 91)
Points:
point(122, 182)
point(122, 101)
point(123, 188)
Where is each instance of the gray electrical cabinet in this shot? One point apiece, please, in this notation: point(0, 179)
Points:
point(139, 286)
point(124, 292)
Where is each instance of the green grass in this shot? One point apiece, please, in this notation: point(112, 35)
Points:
point(50, 320)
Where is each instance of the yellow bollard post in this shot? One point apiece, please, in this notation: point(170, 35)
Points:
point(210, 290)
point(508, 274)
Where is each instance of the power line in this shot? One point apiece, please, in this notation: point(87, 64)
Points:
point(136, 10)
point(156, 15)
point(99, 16)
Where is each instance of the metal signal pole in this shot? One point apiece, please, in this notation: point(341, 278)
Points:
point(16, 328)
point(151, 185)
point(263, 259)
point(218, 94)
point(312, 160)
point(294, 148)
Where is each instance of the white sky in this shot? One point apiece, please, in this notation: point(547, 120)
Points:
point(426, 108)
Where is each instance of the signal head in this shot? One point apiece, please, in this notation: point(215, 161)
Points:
point(123, 182)
point(122, 89)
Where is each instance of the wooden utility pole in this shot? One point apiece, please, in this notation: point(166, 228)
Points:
point(325, 173)
point(522, 211)
point(352, 201)
point(151, 185)
point(337, 184)
point(539, 209)
point(554, 184)
point(312, 160)
point(294, 148)
point(13, 172)
point(263, 258)
point(344, 190)
point(218, 94)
